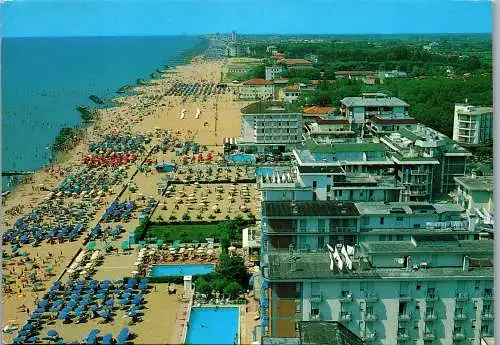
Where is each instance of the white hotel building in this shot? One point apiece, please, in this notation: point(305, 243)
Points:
point(473, 125)
point(419, 273)
point(269, 126)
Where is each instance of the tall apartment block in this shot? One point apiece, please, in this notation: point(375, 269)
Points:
point(268, 126)
point(400, 273)
point(473, 125)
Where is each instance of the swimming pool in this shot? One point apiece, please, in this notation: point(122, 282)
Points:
point(241, 158)
point(264, 171)
point(180, 270)
point(213, 326)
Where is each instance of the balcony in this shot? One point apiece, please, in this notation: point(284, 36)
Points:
point(429, 336)
point(458, 335)
point(460, 316)
point(405, 297)
point(371, 317)
point(403, 336)
point(430, 317)
point(370, 336)
point(431, 297)
point(316, 298)
point(402, 317)
point(371, 297)
point(345, 317)
point(487, 316)
point(488, 296)
point(462, 296)
point(315, 318)
point(346, 298)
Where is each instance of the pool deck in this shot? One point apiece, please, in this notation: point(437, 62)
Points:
point(246, 320)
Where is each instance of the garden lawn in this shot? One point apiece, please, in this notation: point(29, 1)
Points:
point(185, 233)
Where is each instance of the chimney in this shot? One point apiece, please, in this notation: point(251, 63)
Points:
point(466, 263)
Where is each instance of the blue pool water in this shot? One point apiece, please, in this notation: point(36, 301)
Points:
point(180, 270)
point(213, 326)
point(241, 158)
point(264, 171)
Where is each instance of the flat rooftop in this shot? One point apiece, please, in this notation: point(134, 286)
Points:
point(317, 266)
point(429, 243)
point(415, 207)
point(270, 108)
point(345, 147)
point(473, 110)
point(478, 183)
point(309, 208)
point(373, 102)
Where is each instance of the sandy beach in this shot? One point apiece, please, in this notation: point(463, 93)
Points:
point(145, 113)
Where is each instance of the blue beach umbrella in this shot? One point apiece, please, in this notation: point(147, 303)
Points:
point(107, 339)
point(52, 333)
point(105, 314)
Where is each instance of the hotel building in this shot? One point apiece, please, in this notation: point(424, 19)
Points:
point(473, 125)
point(412, 273)
point(269, 126)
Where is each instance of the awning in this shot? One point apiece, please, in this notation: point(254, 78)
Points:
point(230, 141)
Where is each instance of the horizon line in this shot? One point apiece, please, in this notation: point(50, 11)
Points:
point(257, 34)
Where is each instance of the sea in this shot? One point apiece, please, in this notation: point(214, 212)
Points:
point(45, 78)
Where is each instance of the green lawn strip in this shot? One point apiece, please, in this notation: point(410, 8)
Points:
point(186, 233)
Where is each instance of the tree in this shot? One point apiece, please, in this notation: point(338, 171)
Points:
point(232, 289)
point(203, 286)
point(233, 268)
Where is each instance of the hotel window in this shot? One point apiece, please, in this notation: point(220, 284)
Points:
point(399, 219)
point(321, 225)
point(381, 220)
point(303, 225)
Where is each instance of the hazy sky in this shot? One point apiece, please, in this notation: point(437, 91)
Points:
point(165, 17)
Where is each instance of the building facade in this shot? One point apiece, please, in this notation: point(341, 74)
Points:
point(473, 125)
point(426, 160)
point(256, 89)
point(475, 192)
point(273, 71)
point(401, 273)
point(360, 109)
point(268, 126)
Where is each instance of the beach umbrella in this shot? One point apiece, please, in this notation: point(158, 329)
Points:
point(52, 333)
point(135, 272)
point(105, 314)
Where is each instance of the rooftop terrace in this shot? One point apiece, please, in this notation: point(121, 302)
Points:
point(379, 208)
point(426, 243)
point(308, 208)
point(317, 266)
point(373, 102)
point(478, 183)
point(270, 108)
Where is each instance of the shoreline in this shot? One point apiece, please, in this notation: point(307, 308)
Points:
point(183, 58)
point(144, 113)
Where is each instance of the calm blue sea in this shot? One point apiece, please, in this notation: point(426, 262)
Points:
point(43, 79)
